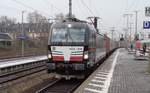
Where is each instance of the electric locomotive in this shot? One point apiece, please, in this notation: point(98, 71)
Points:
point(74, 48)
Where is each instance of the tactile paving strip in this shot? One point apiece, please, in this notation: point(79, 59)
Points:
point(99, 81)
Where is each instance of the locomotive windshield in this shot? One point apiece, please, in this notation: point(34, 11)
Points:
point(65, 35)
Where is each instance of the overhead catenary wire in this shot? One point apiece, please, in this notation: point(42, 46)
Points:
point(49, 3)
point(94, 8)
point(128, 8)
point(9, 8)
point(133, 3)
point(29, 7)
point(87, 7)
point(92, 13)
point(18, 2)
point(80, 8)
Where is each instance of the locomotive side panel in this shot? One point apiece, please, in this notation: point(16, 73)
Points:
point(100, 48)
point(91, 47)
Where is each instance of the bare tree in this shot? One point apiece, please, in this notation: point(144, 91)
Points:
point(6, 24)
point(6, 20)
point(35, 17)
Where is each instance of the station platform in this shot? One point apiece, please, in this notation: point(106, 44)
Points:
point(120, 73)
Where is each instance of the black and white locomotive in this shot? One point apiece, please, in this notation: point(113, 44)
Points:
point(74, 48)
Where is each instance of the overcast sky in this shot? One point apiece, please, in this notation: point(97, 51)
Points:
point(111, 11)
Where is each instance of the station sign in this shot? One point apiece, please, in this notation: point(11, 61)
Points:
point(21, 37)
point(146, 25)
point(147, 11)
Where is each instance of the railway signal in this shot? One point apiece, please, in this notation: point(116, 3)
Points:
point(147, 11)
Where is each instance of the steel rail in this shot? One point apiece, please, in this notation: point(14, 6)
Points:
point(14, 76)
point(61, 86)
point(47, 86)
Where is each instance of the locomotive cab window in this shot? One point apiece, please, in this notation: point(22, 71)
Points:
point(68, 35)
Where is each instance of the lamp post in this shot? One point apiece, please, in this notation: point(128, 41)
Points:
point(136, 19)
point(22, 30)
point(128, 16)
point(112, 35)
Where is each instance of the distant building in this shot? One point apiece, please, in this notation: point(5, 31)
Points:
point(5, 40)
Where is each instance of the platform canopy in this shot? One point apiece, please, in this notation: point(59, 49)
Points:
point(5, 37)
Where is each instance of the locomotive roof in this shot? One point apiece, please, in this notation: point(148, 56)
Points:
point(74, 24)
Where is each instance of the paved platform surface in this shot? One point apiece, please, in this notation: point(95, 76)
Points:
point(119, 74)
point(130, 76)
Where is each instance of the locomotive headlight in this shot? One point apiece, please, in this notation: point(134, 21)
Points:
point(49, 56)
point(69, 25)
point(86, 56)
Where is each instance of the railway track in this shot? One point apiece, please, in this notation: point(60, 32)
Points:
point(65, 86)
point(61, 86)
point(5, 78)
point(15, 68)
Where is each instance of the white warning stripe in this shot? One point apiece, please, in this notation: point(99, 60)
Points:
point(107, 84)
point(95, 85)
point(95, 80)
point(105, 72)
point(92, 90)
point(96, 77)
point(100, 75)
